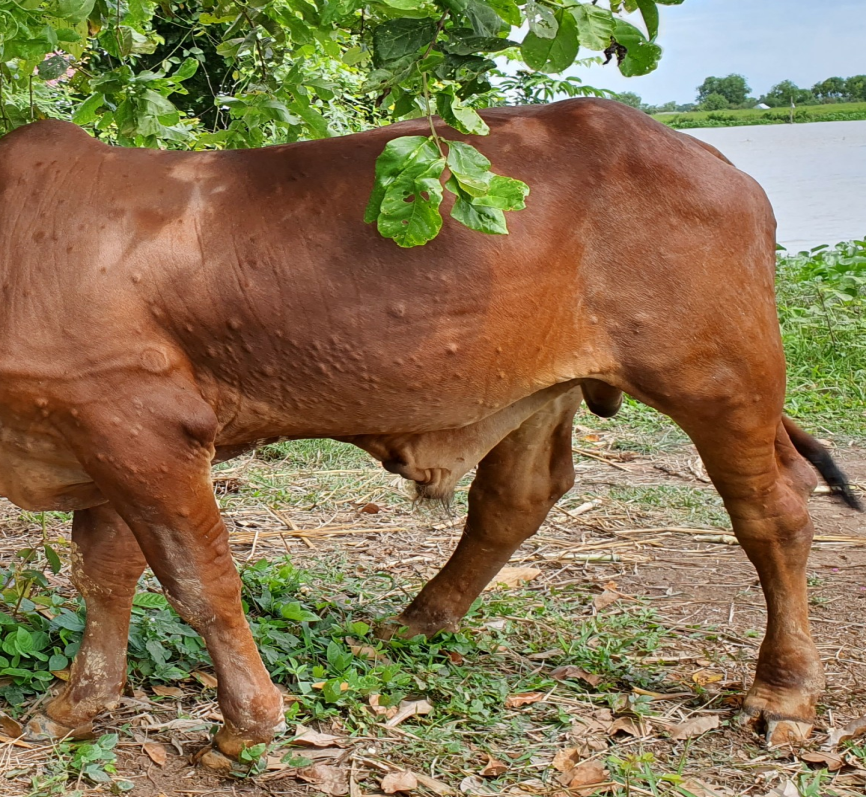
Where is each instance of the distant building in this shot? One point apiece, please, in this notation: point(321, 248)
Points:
point(762, 106)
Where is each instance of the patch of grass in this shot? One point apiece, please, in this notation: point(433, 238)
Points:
point(836, 112)
point(684, 506)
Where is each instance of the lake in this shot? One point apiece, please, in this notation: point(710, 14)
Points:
point(814, 174)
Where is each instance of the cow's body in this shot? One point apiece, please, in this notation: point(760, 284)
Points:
point(164, 308)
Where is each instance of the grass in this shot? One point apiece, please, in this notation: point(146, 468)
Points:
point(837, 112)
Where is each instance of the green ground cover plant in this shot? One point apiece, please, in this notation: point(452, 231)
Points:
point(836, 112)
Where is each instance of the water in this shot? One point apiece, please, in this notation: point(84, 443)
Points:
point(814, 174)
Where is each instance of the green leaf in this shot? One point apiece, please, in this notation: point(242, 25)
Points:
point(186, 70)
point(482, 219)
point(484, 19)
point(150, 600)
point(72, 10)
point(504, 193)
point(52, 67)
point(650, 13)
point(542, 21)
point(401, 37)
point(594, 26)
point(58, 662)
point(508, 11)
point(642, 56)
point(332, 690)
point(410, 208)
point(405, 5)
point(396, 156)
point(556, 54)
point(469, 167)
point(53, 559)
point(458, 116)
point(23, 641)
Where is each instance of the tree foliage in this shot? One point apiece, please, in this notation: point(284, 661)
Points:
point(244, 73)
point(733, 88)
point(788, 93)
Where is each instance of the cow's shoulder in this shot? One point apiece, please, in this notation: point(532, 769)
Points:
point(47, 132)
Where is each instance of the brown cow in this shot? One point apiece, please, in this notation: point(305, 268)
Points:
point(166, 309)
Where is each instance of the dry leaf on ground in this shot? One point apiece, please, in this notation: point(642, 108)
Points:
point(9, 726)
point(473, 785)
point(832, 761)
point(852, 730)
point(382, 711)
point(511, 577)
point(694, 727)
point(701, 789)
point(571, 671)
point(566, 759)
point(786, 789)
point(409, 708)
point(584, 778)
point(207, 680)
point(604, 600)
point(370, 509)
point(523, 699)
point(627, 725)
point(436, 786)
point(704, 677)
point(493, 768)
point(155, 752)
point(399, 781)
point(310, 738)
point(167, 691)
point(326, 778)
point(367, 651)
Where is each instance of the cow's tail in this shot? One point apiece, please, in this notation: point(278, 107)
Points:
point(821, 460)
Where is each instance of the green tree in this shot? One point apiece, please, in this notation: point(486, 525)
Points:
point(830, 90)
point(855, 88)
point(786, 93)
point(244, 73)
point(715, 102)
point(733, 88)
point(630, 98)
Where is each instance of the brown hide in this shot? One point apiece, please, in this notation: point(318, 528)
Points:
point(164, 308)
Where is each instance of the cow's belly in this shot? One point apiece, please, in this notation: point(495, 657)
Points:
point(38, 472)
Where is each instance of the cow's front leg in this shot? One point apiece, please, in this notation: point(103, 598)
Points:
point(158, 479)
point(516, 485)
point(106, 565)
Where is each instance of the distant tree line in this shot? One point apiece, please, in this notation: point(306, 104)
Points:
point(720, 93)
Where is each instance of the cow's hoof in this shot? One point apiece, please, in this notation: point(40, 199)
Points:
point(217, 762)
point(42, 727)
point(775, 731)
point(402, 627)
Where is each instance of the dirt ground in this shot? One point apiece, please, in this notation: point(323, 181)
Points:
point(681, 562)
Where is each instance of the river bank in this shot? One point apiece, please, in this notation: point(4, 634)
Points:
point(837, 112)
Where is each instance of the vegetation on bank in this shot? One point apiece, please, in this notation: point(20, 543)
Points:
point(838, 112)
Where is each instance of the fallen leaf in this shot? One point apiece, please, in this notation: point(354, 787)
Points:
point(155, 752)
point(370, 509)
point(207, 680)
point(310, 738)
point(852, 730)
point(832, 761)
point(399, 781)
point(167, 691)
point(584, 778)
point(570, 671)
point(326, 778)
point(367, 651)
point(9, 726)
point(473, 785)
point(493, 768)
point(566, 759)
point(408, 709)
point(700, 789)
point(511, 577)
point(436, 786)
point(694, 727)
point(704, 677)
point(386, 711)
point(455, 657)
point(786, 789)
point(604, 600)
point(62, 675)
point(626, 725)
point(523, 699)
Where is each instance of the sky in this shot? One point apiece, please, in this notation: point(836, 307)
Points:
point(767, 41)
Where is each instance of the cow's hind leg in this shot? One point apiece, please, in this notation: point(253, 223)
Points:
point(159, 481)
point(515, 487)
point(765, 484)
point(106, 565)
